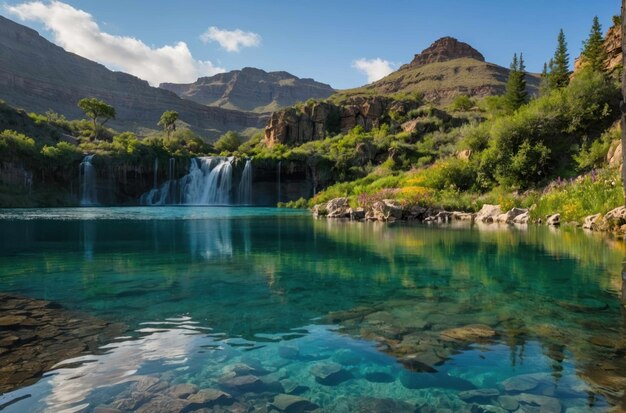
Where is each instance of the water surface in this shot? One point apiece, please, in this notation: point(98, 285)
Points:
point(205, 291)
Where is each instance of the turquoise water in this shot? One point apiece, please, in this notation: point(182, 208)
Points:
point(207, 290)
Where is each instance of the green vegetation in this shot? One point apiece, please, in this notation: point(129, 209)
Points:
point(516, 94)
point(168, 121)
point(98, 111)
point(593, 53)
point(558, 75)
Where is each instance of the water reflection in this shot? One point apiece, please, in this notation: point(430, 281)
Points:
point(551, 298)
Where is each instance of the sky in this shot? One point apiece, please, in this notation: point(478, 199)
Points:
point(345, 43)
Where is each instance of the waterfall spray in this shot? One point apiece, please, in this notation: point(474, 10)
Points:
point(87, 180)
point(245, 185)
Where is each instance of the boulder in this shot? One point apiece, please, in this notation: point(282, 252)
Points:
point(510, 215)
point(553, 220)
point(288, 403)
point(522, 218)
point(441, 217)
point(488, 213)
point(356, 214)
point(470, 332)
point(210, 397)
point(525, 382)
point(338, 208)
point(592, 222)
point(478, 395)
point(614, 157)
point(319, 210)
point(386, 210)
point(182, 391)
point(329, 374)
point(463, 216)
point(616, 217)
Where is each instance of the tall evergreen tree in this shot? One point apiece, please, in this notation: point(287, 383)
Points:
point(559, 68)
point(516, 94)
point(593, 53)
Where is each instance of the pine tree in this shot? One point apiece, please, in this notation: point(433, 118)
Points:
point(593, 53)
point(559, 65)
point(516, 94)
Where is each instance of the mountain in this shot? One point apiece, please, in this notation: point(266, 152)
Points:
point(251, 89)
point(38, 76)
point(442, 71)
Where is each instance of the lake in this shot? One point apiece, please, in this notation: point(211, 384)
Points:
point(261, 309)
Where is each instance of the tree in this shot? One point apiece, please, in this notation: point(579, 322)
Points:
point(559, 65)
point(593, 53)
point(98, 111)
point(228, 142)
point(516, 94)
point(168, 121)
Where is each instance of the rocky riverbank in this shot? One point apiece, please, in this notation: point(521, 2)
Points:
point(388, 210)
point(36, 335)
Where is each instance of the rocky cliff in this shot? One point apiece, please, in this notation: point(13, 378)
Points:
point(315, 121)
point(444, 70)
point(39, 76)
point(444, 50)
point(251, 90)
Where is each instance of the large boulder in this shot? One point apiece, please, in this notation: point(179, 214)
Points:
point(386, 210)
point(488, 213)
point(338, 208)
point(510, 215)
point(616, 217)
point(523, 218)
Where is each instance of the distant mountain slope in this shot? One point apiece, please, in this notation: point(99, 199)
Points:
point(251, 90)
point(39, 76)
point(442, 71)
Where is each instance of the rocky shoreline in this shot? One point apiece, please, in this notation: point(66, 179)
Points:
point(389, 210)
point(36, 335)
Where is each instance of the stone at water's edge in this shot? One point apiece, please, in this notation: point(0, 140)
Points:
point(553, 220)
point(35, 335)
point(488, 213)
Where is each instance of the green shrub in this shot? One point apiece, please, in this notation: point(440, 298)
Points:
point(462, 103)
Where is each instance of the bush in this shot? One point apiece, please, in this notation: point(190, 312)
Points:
point(14, 143)
point(228, 142)
point(462, 103)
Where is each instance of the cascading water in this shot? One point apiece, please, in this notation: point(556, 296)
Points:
point(87, 181)
point(208, 182)
point(156, 173)
point(245, 185)
point(278, 183)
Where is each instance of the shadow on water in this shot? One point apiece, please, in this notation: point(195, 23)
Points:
point(284, 293)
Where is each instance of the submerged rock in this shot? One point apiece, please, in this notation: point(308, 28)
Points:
point(330, 374)
point(293, 404)
point(376, 405)
point(182, 391)
point(469, 333)
point(209, 398)
point(525, 382)
point(379, 377)
point(479, 395)
point(417, 381)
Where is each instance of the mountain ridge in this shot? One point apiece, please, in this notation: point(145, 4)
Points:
point(250, 89)
point(38, 76)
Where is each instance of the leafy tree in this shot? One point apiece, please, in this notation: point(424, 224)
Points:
point(559, 65)
point(168, 121)
point(516, 94)
point(593, 53)
point(98, 111)
point(228, 142)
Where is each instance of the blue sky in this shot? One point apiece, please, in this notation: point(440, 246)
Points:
point(320, 39)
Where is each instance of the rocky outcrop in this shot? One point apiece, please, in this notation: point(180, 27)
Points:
point(511, 215)
point(614, 156)
point(251, 89)
point(39, 76)
point(446, 49)
point(315, 121)
point(488, 213)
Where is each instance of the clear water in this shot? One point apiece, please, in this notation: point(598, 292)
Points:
point(203, 289)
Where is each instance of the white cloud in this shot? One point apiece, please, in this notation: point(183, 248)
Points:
point(77, 32)
point(231, 40)
point(374, 68)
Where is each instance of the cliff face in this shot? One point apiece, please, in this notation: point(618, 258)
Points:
point(295, 126)
point(444, 70)
point(251, 89)
point(39, 76)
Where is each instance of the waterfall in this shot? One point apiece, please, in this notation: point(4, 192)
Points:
point(209, 181)
point(278, 184)
point(245, 185)
point(156, 173)
point(87, 180)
